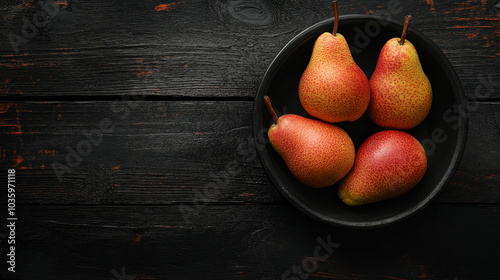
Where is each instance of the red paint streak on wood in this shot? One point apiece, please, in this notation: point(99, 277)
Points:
point(16, 64)
point(433, 9)
point(25, 168)
point(17, 160)
point(477, 19)
point(167, 7)
point(63, 3)
point(247, 195)
point(18, 124)
point(57, 53)
point(14, 55)
point(48, 152)
point(143, 74)
point(137, 239)
point(472, 35)
point(492, 177)
point(5, 123)
point(16, 132)
point(490, 42)
point(14, 123)
point(59, 117)
point(117, 167)
point(5, 90)
point(463, 8)
point(42, 166)
point(4, 107)
point(467, 26)
point(25, 4)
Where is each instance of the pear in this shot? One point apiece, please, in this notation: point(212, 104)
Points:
point(332, 87)
point(388, 164)
point(401, 94)
point(317, 153)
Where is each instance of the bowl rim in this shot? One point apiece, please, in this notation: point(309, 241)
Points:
point(437, 54)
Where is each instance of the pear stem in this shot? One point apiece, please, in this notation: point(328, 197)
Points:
point(336, 13)
point(405, 29)
point(270, 108)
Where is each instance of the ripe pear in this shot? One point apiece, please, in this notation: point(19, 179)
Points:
point(401, 94)
point(388, 164)
point(317, 153)
point(333, 88)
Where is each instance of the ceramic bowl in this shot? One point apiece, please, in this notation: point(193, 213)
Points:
point(443, 132)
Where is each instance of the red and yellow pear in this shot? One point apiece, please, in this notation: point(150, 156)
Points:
point(388, 164)
point(332, 87)
point(401, 94)
point(317, 153)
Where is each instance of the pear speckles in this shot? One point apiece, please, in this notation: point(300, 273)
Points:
point(388, 164)
point(401, 94)
point(317, 153)
point(332, 87)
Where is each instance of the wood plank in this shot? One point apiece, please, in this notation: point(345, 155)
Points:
point(250, 242)
point(210, 48)
point(168, 152)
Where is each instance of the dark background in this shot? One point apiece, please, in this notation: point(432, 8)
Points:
point(172, 86)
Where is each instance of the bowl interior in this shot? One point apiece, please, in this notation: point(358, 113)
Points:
point(442, 133)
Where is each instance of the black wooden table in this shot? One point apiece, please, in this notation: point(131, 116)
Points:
point(117, 115)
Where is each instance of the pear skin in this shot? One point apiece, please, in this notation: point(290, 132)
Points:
point(401, 94)
point(388, 164)
point(318, 154)
point(333, 88)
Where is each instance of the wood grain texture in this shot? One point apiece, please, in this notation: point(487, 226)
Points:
point(86, 68)
point(253, 242)
point(167, 152)
point(209, 48)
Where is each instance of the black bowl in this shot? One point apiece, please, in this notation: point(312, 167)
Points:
point(443, 132)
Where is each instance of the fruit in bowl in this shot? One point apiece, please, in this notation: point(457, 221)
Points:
point(388, 164)
point(281, 82)
point(333, 88)
point(317, 153)
point(401, 94)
